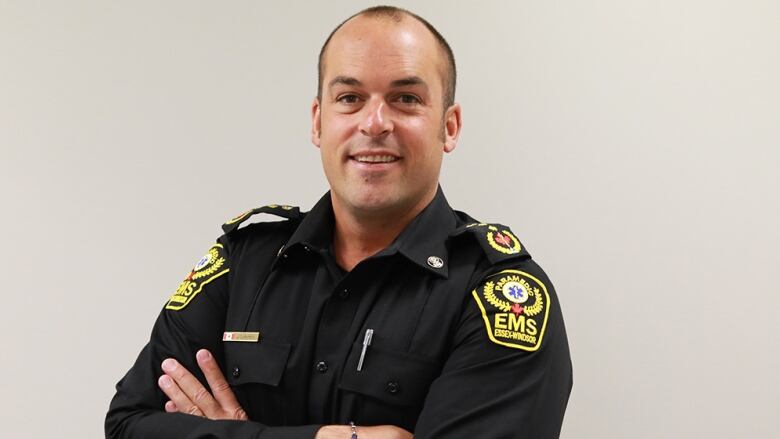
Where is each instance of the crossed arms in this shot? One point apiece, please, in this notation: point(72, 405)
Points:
point(188, 395)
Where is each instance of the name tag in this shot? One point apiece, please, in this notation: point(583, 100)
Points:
point(252, 337)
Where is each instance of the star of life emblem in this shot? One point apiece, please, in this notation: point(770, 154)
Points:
point(515, 292)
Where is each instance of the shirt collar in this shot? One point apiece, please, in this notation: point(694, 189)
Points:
point(316, 229)
point(423, 241)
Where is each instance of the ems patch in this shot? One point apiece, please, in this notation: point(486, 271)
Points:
point(209, 267)
point(503, 241)
point(515, 306)
point(497, 241)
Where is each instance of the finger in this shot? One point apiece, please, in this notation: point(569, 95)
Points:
point(191, 387)
point(170, 407)
point(178, 398)
point(219, 386)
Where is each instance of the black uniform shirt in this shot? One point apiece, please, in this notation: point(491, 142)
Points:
point(467, 334)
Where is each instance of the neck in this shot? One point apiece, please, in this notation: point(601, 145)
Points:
point(359, 235)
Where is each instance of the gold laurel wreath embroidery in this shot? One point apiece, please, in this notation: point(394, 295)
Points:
point(515, 243)
point(503, 305)
point(213, 267)
point(536, 308)
point(492, 299)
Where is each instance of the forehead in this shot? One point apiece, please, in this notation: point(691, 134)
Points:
point(380, 48)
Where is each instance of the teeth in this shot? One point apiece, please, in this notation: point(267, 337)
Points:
point(376, 159)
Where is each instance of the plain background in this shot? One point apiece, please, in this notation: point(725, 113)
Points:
point(631, 145)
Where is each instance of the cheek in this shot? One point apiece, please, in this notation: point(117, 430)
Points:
point(428, 127)
point(337, 126)
point(424, 140)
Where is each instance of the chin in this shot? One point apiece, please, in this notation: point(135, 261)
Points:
point(374, 201)
point(372, 204)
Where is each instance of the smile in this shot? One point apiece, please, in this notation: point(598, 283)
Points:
point(375, 158)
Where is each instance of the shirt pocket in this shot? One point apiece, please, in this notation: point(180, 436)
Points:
point(390, 388)
point(254, 372)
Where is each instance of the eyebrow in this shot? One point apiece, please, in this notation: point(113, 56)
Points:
point(409, 81)
point(344, 80)
point(404, 82)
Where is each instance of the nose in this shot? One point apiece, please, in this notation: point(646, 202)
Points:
point(376, 121)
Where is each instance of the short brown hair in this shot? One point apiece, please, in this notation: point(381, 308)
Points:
point(397, 14)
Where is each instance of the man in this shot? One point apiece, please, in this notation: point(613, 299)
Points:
point(379, 313)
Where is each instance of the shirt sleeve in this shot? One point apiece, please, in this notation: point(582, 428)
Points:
point(509, 371)
point(193, 318)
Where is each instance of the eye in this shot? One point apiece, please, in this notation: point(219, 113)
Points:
point(347, 99)
point(409, 99)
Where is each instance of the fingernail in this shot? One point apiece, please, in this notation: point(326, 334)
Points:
point(165, 381)
point(203, 355)
point(169, 364)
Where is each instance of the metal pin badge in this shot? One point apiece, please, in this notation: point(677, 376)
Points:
point(435, 261)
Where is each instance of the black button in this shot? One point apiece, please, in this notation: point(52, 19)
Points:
point(322, 367)
point(344, 294)
point(392, 387)
point(236, 372)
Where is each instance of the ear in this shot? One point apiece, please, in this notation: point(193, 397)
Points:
point(315, 122)
point(452, 126)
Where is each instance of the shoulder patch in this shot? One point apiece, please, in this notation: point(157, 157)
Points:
point(498, 242)
point(211, 266)
point(282, 210)
point(515, 306)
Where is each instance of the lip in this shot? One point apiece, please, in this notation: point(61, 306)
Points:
point(375, 166)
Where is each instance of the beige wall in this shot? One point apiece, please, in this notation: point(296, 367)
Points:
point(632, 145)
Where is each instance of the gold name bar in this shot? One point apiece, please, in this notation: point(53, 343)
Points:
point(252, 337)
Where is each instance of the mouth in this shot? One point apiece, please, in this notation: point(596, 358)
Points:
point(373, 159)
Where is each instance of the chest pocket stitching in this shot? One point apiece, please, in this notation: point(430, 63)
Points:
point(384, 371)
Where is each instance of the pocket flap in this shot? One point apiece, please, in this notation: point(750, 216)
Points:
point(393, 377)
point(261, 362)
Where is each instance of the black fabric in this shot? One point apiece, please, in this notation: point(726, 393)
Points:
point(430, 368)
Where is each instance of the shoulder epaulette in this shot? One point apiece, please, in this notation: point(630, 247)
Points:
point(496, 240)
point(282, 210)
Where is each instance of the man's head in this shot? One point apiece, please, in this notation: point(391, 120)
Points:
point(380, 118)
point(449, 72)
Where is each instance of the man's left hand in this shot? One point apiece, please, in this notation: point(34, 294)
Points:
point(187, 394)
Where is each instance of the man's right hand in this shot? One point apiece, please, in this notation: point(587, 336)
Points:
point(189, 396)
point(376, 432)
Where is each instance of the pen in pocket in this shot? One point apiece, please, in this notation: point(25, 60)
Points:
point(366, 344)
